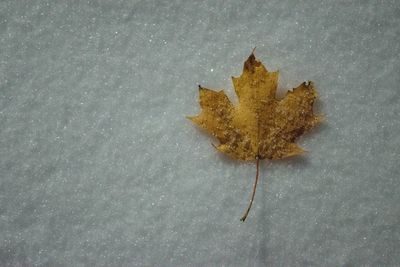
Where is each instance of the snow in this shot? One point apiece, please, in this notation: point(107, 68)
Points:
point(99, 166)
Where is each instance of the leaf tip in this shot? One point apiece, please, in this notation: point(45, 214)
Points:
point(191, 118)
point(320, 118)
point(308, 84)
point(250, 63)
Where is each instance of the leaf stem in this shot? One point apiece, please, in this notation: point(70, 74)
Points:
point(254, 192)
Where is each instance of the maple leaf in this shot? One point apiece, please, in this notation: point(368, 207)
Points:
point(260, 126)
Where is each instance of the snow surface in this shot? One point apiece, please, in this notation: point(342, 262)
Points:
point(99, 166)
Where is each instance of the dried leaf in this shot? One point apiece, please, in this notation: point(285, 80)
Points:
point(260, 126)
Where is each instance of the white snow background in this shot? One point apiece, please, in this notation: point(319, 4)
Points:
point(100, 167)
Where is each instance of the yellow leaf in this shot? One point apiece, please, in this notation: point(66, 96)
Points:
point(260, 126)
